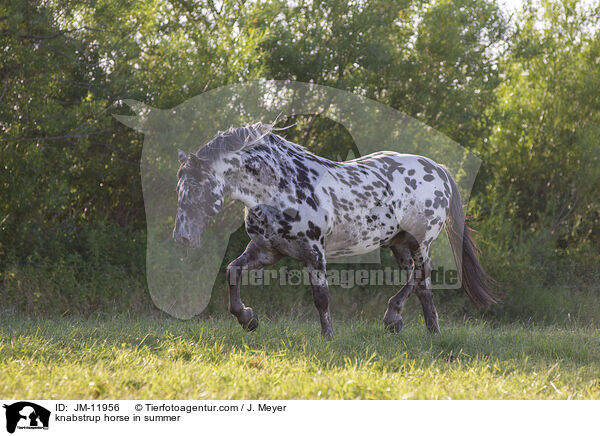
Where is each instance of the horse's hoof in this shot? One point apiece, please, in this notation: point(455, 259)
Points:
point(394, 327)
point(248, 320)
point(327, 333)
point(434, 330)
point(252, 325)
point(392, 321)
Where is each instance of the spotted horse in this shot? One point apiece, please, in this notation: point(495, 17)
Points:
point(307, 207)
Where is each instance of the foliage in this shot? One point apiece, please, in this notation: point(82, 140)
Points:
point(544, 150)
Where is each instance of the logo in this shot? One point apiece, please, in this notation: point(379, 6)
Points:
point(26, 415)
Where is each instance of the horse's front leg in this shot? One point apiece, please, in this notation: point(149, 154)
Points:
point(254, 257)
point(320, 290)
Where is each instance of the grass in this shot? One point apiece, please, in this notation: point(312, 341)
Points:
point(152, 357)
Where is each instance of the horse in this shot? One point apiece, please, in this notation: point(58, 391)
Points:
point(310, 208)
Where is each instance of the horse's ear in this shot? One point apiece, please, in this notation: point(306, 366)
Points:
point(181, 155)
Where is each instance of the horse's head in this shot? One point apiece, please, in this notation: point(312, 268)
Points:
point(200, 197)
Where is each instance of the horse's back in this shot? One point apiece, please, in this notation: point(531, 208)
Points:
point(377, 196)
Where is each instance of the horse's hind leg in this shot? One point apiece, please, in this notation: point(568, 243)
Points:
point(423, 287)
point(254, 257)
point(393, 315)
point(320, 290)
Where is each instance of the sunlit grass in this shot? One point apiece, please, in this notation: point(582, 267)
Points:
point(139, 357)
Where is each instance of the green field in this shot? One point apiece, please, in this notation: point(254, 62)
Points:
point(154, 357)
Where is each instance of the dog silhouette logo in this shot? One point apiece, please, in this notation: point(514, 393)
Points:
point(26, 415)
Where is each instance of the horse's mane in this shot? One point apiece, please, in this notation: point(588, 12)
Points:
point(245, 138)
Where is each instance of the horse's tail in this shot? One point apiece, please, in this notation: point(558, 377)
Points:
point(475, 281)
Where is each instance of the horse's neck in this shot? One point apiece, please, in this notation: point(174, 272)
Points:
point(249, 196)
point(247, 182)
